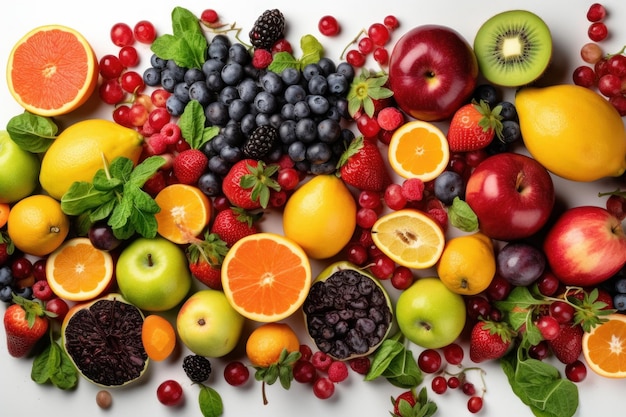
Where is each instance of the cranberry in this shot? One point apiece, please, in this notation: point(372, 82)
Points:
point(236, 373)
point(429, 361)
point(170, 393)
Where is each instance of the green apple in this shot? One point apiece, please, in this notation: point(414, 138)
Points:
point(19, 170)
point(208, 325)
point(153, 274)
point(429, 314)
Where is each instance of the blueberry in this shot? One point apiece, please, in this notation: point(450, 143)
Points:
point(232, 73)
point(262, 119)
point(337, 83)
point(220, 38)
point(295, 93)
point(26, 292)
point(233, 134)
point(297, 151)
point(247, 89)
point(212, 65)
point(177, 71)
point(619, 302)
point(306, 130)
point(620, 285)
point(210, 184)
point(6, 293)
point(237, 109)
point(511, 131)
point(318, 104)
point(325, 168)
point(168, 80)
point(346, 70)
point(248, 123)
point(318, 84)
point(290, 76)
point(272, 83)
point(228, 94)
point(174, 106)
point(218, 166)
point(301, 110)
point(218, 50)
point(448, 186)
point(239, 54)
point(152, 77)
point(276, 120)
point(200, 92)
point(486, 92)
point(265, 102)
point(192, 75)
point(310, 70)
point(181, 91)
point(156, 62)
point(508, 111)
point(214, 82)
point(218, 142)
point(216, 113)
point(288, 111)
point(327, 65)
point(287, 132)
point(6, 277)
point(328, 130)
point(318, 153)
point(231, 154)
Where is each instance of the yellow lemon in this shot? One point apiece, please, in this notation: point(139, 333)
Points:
point(468, 264)
point(82, 149)
point(37, 225)
point(572, 131)
point(320, 216)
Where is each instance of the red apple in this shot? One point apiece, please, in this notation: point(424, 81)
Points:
point(511, 194)
point(432, 72)
point(585, 246)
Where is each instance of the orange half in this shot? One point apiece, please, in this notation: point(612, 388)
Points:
point(419, 149)
point(52, 70)
point(185, 212)
point(409, 237)
point(604, 347)
point(266, 277)
point(78, 271)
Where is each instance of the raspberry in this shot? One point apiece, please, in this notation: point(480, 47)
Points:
point(261, 59)
point(439, 215)
point(42, 291)
point(321, 361)
point(337, 371)
point(360, 365)
point(390, 118)
point(157, 144)
point(413, 189)
point(171, 132)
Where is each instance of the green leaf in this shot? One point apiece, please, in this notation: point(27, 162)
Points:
point(210, 402)
point(121, 213)
point(31, 132)
point(282, 61)
point(54, 366)
point(44, 365)
point(146, 169)
point(188, 44)
point(103, 211)
point(192, 123)
point(143, 223)
point(121, 168)
point(383, 356)
point(462, 216)
point(66, 376)
point(103, 182)
point(312, 50)
point(403, 371)
point(82, 197)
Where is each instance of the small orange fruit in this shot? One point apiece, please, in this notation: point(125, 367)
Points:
point(419, 149)
point(4, 213)
point(266, 343)
point(52, 70)
point(604, 347)
point(266, 277)
point(409, 237)
point(185, 212)
point(78, 271)
point(158, 337)
point(37, 225)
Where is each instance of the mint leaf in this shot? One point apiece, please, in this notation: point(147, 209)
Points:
point(383, 356)
point(462, 216)
point(192, 125)
point(210, 402)
point(145, 170)
point(31, 132)
point(188, 44)
point(82, 197)
point(312, 50)
point(282, 61)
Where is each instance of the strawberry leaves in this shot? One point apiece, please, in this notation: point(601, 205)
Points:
point(260, 182)
point(281, 371)
point(366, 88)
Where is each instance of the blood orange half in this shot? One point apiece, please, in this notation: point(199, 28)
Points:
point(52, 70)
point(266, 277)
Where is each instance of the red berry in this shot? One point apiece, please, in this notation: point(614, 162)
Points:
point(475, 404)
point(379, 33)
point(356, 253)
point(360, 365)
point(597, 31)
point(584, 76)
point(576, 371)
point(454, 382)
point(382, 266)
point(42, 290)
point(412, 189)
point(549, 327)
point(453, 353)
point(21, 268)
point(355, 58)
point(128, 56)
point(261, 59)
point(236, 373)
point(323, 388)
point(365, 45)
point(596, 12)
point(394, 199)
point(59, 307)
point(144, 31)
point(170, 393)
point(402, 278)
point(328, 26)
point(304, 371)
point(111, 91)
point(209, 16)
point(390, 118)
point(305, 352)
point(391, 22)
point(381, 55)
point(122, 34)
point(321, 361)
point(110, 66)
point(439, 384)
point(468, 389)
point(429, 361)
point(338, 371)
point(366, 217)
point(282, 45)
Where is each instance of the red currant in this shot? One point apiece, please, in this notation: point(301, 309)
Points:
point(549, 327)
point(365, 45)
point(468, 389)
point(144, 31)
point(439, 384)
point(170, 393)
point(402, 278)
point(355, 58)
point(236, 373)
point(475, 404)
point(121, 116)
point(110, 67)
point(596, 12)
point(288, 178)
point(379, 34)
point(128, 56)
point(453, 353)
point(132, 82)
point(366, 217)
point(391, 22)
point(576, 371)
point(597, 31)
point(381, 55)
point(454, 382)
point(122, 34)
point(429, 361)
point(323, 388)
point(356, 254)
point(209, 16)
point(328, 26)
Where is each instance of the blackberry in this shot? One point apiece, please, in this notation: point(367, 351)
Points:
point(261, 142)
point(197, 368)
point(267, 29)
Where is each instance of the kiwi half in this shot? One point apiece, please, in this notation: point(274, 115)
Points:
point(513, 48)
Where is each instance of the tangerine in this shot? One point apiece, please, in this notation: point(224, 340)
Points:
point(266, 277)
point(185, 212)
point(52, 70)
point(78, 271)
point(604, 347)
point(158, 337)
point(4, 213)
point(409, 237)
point(266, 343)
point(37, 225)
point(419, 149)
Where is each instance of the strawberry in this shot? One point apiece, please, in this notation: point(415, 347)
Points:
point(25, 322)
point(189, 165)
point(490, 340)
point(362, 166)
point(6, 248)
point(234, 223)
point(408, 396)
point(410, 404)
point(474, 126)
point(567, 346)
point(248, 182)
point(205, 259)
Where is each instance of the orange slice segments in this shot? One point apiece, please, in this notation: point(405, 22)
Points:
point(409, 237)
point(185, 212)
point(604, 347)
point(266, 277)
point(78, 271)
point(52, 70)
point(419, 149)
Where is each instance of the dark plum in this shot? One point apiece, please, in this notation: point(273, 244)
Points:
point(520, 263)
point(101, 236)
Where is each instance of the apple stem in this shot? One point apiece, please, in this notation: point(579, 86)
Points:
point(518, 181)
point(150, 262)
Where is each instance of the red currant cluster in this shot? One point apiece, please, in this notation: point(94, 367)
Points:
point(430, 361)
point(372, 41)
point(606, 72)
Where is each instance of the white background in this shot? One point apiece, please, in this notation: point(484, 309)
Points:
point(18, 394)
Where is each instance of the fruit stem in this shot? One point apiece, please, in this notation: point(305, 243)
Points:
point(352, 42)
point(265, 401)
point(617, 192)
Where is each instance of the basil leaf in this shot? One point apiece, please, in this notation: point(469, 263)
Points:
point(383, 356)
point(66, 376)
point(44, 364)
point(403, 371)
point(210, 402)
point(192, 123)
point(187, 46)
point(31, 132)
point(462, 216)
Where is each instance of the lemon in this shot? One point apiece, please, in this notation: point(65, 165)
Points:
point(81, 149)
point(37, 225)
point(468, 264)
point(320, 216)
point(572, 131)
